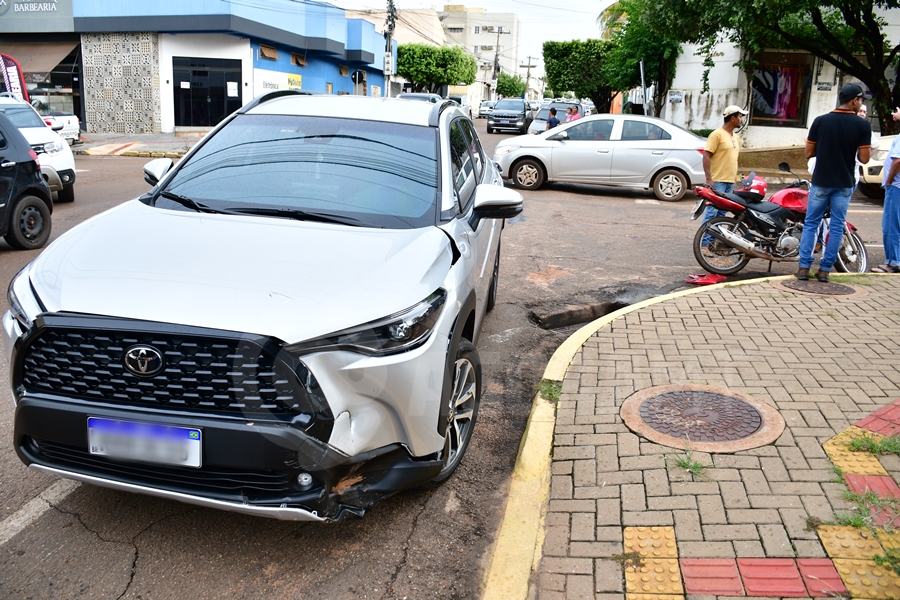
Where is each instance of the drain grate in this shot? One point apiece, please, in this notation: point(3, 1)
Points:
point(816, 287)
point(701, 416)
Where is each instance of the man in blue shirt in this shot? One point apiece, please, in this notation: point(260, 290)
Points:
point(890, 220)
point(552, 121)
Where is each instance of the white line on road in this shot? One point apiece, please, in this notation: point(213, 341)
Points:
point(871, 212)
point(29, 513)
point(646, 201)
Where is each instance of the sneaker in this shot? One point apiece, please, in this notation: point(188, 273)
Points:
point(802, 274)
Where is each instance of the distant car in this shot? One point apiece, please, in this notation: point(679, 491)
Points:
point(871, 174)
point(71, 126)
point(463, 102)
point(540, 119)
point(484, 109)
point(433, 98)
point(25, 203)
point(533, 104)
point(615, 150)
point(57, 161)
point(509, 114)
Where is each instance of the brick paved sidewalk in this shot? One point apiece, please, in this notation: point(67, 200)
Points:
point(823, 362)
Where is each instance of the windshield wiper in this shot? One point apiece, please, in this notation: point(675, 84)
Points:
point(294, 213)
point(191, 203)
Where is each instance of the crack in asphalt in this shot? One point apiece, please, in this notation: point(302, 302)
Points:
point(389, 588)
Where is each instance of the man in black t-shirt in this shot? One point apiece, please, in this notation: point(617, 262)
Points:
point(834, 139)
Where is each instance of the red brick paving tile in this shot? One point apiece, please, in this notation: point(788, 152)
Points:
point(712, 576)
point(820, 577)
point(885, 420)
point(771, 577)
point(884, 487)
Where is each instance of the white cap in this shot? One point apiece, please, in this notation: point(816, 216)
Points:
point(734, 109)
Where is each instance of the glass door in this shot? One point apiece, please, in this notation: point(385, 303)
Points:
point(206, 90)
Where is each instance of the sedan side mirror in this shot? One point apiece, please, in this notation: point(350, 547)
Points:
point(562, 135)
point(156, 169)
point(496, 202)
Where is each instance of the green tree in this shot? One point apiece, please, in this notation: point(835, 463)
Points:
point(428, 68)
point(635, 39)
point(510, 86)
point(577, 66)
point(848, 34)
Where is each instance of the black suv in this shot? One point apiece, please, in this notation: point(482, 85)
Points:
point(510, 114)
point(25, 201)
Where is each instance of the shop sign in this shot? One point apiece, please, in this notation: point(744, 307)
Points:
point(28, 16)
point(267, 81)
point(823, 87)
point(676, 97)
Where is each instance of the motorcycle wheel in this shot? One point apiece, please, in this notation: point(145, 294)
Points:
point(719, 257)
point(852, 257)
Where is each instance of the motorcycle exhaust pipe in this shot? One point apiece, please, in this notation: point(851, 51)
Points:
point(732, 238)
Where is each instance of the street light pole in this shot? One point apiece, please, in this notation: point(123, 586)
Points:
point(497, 53)
point(528, 73)
point(390, 23)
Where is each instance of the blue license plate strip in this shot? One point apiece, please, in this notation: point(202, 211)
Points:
point(146, 442)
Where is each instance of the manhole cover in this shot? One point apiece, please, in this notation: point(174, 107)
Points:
point(701, 416)
point(816, 287)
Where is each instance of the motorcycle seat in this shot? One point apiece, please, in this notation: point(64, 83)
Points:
point(751, 197)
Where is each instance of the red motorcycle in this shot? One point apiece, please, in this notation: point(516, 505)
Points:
point(770, 230)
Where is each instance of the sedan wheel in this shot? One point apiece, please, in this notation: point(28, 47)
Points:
point(465, 399)
point(528, 175)
point(670, 185)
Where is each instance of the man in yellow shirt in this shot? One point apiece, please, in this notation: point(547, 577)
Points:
point(720, 160)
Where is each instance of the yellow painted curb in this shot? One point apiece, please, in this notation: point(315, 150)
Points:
point(517, 551)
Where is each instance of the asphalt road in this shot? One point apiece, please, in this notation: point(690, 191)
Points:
point(573, 246)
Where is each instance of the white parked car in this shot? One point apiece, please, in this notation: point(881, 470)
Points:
point(71, 126)
point(614, 150)
point(284, 326)
point(57, 161)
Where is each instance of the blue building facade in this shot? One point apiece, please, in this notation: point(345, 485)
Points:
point(170, 65)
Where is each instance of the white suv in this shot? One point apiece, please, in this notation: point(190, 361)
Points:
point(57, 161)
point(286, 323)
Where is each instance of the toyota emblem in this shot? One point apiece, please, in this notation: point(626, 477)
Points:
point(143, 360)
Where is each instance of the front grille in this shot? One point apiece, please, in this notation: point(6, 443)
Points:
point(202, 374)
point(225, 483)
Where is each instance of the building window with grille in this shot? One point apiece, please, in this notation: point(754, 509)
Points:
point(455, 29)
point(781, 89)
point(477, 30)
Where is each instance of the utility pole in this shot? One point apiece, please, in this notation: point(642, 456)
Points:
point(389, 23)
point(497, 54)
point(528, 73)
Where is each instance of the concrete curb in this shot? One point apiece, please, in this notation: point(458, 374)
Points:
point(517, 550)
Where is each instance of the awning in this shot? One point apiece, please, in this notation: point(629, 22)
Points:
point(38, 57)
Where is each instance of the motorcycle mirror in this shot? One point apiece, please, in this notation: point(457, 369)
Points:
point(784, 167)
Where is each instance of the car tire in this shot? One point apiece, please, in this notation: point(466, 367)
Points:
point(465, 399)
point(67, 194)
point(670, 185)
point(528, 174)
point(29, 224)
point(489, 130)
point(869, 190)
point(495, 282)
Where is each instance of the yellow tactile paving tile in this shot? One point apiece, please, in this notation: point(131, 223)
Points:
point(651, 542)
point(842, 541)
point(865, 579)
point(888, 540)
point(653, 597)
point(657, 577)
point(852, 463)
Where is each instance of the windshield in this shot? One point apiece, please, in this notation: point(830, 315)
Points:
point(510, 105)
point(22, 116)
point(375, 174)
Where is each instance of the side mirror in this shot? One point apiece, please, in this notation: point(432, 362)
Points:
point(562, 135)
point(57, 126)
point(496, 202)
point(784, 167)
point(156, 169)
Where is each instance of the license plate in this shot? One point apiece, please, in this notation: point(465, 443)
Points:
point(504, 120)
point(698, 208)
point(147, 442)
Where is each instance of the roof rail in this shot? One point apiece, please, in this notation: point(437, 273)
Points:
point(276, 94)
point(434, 117)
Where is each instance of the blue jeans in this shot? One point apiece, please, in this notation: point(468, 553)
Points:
point(820, 200)
point(890, 225)
point(719, 187)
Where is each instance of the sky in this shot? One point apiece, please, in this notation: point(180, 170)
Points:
point(539, 20)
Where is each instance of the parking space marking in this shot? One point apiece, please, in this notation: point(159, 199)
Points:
point(35, 507)
point(646, 201)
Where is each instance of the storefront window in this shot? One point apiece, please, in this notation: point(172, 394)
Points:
point(781, 89)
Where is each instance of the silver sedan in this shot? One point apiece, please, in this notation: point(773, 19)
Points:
point(616, 150)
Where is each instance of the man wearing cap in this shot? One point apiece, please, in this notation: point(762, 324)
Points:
point(836, 139)
point(720, 161)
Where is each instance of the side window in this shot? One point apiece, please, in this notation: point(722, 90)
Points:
point(475, 147)
point(591, 130)
point(639, 130)
point(461, 166)
point(2, 141)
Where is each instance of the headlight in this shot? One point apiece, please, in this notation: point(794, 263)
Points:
point(398, 332)
point(880, 155)
point(23, 304)
point(52, 148)
point(504, 150)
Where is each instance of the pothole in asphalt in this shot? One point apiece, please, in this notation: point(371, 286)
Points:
point(701, 417)
point(567, 315)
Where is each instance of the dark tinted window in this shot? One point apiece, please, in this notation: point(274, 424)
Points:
point(510, 105)
point(2, 140)
point(382, 174)
point(475, 147)
point(462, 166)
point(642, 131)
point(22, 116)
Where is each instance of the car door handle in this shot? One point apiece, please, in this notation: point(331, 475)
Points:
point(603, 151)
point(7, 165)
point(657, 152)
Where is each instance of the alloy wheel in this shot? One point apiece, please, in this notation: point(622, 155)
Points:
point(462, 410)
